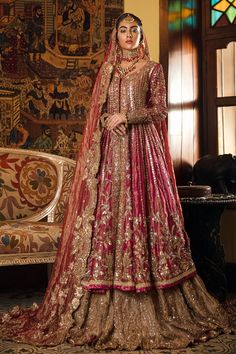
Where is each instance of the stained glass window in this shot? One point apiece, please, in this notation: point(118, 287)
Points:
point(182, 13)
point(223, 12)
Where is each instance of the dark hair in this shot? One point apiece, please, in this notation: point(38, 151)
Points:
point(136, 18)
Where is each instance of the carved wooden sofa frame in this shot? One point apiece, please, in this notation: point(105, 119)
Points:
point(34, 188)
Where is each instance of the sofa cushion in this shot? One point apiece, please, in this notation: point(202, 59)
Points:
point(28, 237)
point(28, 184)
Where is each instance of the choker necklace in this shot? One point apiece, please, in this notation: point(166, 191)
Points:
point(130, 55)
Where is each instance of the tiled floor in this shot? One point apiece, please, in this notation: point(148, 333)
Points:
point(224, 344)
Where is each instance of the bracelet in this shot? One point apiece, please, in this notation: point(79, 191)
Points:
point(126, 122)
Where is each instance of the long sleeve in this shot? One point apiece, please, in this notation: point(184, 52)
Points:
point(155, 109)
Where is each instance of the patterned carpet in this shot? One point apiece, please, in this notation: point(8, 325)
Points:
point(224, 344)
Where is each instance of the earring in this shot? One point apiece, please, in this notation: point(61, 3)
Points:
point(141, 50)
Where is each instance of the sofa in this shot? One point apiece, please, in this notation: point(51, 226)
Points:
point(34, 189)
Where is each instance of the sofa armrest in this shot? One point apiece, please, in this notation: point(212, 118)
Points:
point(34, 185)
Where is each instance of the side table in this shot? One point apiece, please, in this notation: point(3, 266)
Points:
point(202, 223)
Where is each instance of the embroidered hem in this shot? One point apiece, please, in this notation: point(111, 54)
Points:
point(102, 286)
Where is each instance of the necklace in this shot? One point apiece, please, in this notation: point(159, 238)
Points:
point(130, 55)
point(124, 71)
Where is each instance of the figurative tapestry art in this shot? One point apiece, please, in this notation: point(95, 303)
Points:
point(50, 52)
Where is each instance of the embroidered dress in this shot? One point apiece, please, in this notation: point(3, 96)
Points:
point(123, 276)
point(138, 240)
point(140, 251)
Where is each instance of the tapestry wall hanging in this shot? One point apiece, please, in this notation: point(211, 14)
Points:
point(50, 52)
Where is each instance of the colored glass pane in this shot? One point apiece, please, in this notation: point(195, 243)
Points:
point(222, 6)
point(231, 13)
point(215, 15)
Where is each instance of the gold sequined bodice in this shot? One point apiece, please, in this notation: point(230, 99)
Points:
point(129, 93)
point(141, 94)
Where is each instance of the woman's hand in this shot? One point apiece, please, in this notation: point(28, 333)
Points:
point(120, 130)
point(114, 120)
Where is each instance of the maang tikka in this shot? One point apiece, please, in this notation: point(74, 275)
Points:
point(129, 18)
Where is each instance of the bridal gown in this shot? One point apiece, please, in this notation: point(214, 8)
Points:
point(140, 288)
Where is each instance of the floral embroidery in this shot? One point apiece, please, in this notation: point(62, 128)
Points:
point(17, 237)
point(39, 180)
point(26, 185)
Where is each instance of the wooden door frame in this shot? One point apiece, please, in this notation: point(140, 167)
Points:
point(213, 38)
point(210, 100)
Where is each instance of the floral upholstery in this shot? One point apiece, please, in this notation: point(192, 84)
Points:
point(34, 189)
point(29, 189)
point(23, 239)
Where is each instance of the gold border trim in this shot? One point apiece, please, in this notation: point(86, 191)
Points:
point(27, 258)
point(141, 285)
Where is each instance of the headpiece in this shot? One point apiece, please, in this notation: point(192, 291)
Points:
point(129, 18)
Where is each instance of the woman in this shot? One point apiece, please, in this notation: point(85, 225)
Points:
point(123, 277)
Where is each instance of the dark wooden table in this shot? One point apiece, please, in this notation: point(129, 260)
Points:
point(202, 222)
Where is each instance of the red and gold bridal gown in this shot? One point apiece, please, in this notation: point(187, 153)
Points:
point(139, 288)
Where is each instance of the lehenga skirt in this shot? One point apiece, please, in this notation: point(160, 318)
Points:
point(140, 288)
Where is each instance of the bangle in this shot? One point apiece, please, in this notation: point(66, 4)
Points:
point(126, 121)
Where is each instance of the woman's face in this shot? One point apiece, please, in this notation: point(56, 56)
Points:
point(128, 34)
